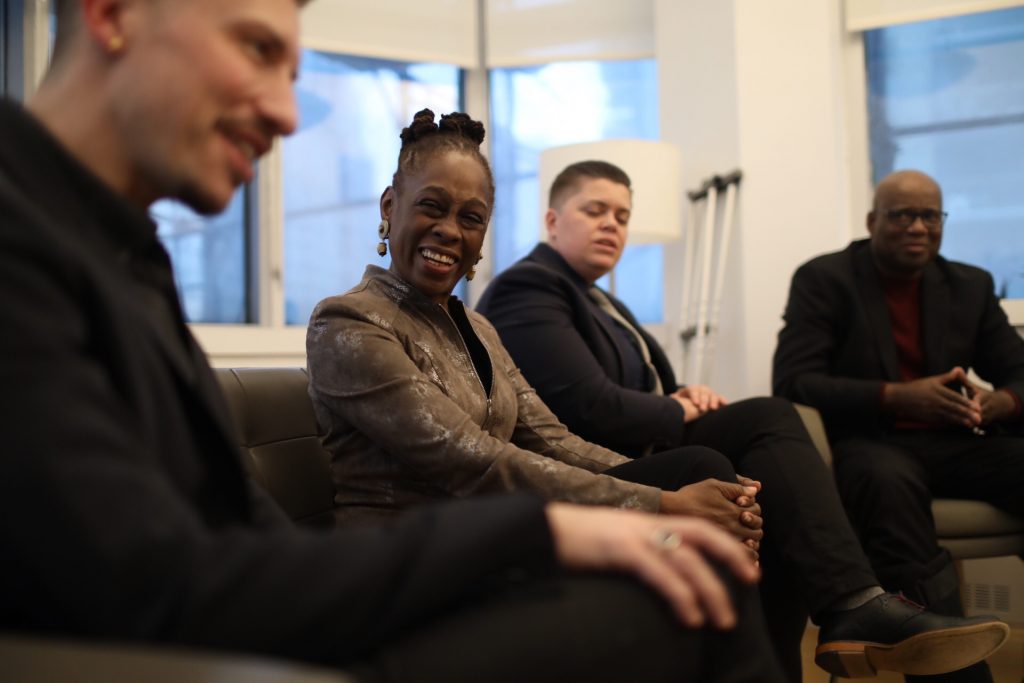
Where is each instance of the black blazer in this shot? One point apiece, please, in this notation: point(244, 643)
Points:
point(125, 512)
point(836, 348)
point(571, 355)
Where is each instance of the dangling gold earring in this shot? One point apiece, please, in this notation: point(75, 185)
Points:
point(383, 230)
point(472, 271)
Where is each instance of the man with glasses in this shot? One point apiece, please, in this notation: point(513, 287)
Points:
point(878, 337)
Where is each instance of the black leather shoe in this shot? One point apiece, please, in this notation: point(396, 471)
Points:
point(892, 633)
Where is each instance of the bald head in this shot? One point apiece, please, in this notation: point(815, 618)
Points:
point(172, 98)
point(905, 223)
point(899, 182)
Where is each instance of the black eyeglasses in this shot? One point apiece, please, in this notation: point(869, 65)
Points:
point(904, 218)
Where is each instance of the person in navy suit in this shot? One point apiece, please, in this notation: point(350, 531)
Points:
point(878, 337)
point(608, 380)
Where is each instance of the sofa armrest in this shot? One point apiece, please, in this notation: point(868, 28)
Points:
point(816, 429)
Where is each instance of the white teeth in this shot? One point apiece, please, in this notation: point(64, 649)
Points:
point(434, 256)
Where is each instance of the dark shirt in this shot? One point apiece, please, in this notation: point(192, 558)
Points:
point(32, 159)
point(635, 374)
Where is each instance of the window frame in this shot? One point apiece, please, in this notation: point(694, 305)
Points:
point(858, 147)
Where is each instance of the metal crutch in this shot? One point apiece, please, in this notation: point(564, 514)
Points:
point(731, 182)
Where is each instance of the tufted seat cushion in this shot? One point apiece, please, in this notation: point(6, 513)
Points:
point(277, 433)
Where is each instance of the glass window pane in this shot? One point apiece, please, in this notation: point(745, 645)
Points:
point(947, 97)
point(533, 108)
point(337, 165)
point(3, 47)
point(210, 259)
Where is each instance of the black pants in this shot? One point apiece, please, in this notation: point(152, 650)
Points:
point(810, 556)
point(580, 628)
point(887, 485)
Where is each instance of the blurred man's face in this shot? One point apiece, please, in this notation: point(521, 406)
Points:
point(588, 228)
point(206, 86)
point(906, 223)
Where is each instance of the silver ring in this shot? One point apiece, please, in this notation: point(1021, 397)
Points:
point(666, 540)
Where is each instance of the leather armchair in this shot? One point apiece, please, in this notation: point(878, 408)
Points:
point(277, 433)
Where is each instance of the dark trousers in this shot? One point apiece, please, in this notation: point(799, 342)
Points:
point(580, 628)
point(810, 556)
point(887, 485)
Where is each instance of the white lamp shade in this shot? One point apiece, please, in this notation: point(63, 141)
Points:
point(653, 169)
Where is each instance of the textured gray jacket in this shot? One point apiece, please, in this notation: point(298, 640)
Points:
point(407, 420)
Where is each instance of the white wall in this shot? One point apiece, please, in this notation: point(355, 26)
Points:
point(761, 86)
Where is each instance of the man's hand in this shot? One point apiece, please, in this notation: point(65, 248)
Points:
point(731, 506)
point(995, 405)
point(667, 553)
point(701, 396)
point(929, 400)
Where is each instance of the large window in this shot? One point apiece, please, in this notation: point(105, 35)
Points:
point(210, 257)
point(533, 108)
point(947, 97)
point(336, 166)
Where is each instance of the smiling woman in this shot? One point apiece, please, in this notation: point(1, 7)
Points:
point(436, 214)
point(416, 396)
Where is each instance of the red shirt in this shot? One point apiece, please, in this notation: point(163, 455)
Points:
point(903, 299)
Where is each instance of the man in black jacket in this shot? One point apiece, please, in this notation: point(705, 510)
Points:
point(609, 381)
point(126, 514)
point(878, 337)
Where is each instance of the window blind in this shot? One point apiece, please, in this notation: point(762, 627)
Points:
point(863, 15)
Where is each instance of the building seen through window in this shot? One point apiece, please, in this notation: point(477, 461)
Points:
point(947, 97)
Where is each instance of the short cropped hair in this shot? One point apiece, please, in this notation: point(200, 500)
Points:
point(568, 181)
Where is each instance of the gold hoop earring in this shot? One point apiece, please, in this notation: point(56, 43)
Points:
point(383, 230)
point(471, 273)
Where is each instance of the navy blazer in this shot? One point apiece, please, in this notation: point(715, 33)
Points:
point(569, 351)
point(837, 348)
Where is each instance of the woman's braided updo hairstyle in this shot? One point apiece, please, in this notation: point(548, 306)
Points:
point(422, 139)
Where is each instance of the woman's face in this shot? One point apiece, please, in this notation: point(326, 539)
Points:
point(438, 222)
